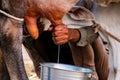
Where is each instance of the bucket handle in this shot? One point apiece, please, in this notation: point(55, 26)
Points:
point(91, 76)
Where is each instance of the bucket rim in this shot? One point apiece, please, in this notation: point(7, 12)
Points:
point(78, 69)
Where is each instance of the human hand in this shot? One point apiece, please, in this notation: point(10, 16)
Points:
point(60, 34)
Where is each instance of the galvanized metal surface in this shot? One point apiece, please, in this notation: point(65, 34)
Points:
point(55, 71)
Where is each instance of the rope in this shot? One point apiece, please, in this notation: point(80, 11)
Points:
point(11, 16)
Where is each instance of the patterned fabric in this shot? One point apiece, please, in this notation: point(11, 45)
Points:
point(88, 35)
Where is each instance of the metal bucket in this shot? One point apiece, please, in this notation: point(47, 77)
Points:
point(55, 71)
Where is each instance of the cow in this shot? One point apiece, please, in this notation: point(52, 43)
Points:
point(11, 33)
point(10, 36)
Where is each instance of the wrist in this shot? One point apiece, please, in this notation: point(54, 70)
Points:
point(74, 35)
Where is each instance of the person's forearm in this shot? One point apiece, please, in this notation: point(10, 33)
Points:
point(74, 35)
point(82, 36)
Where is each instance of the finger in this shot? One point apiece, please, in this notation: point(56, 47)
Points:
point(60, 40)
point(60, 33)
point(31, 24)
point(60, 30)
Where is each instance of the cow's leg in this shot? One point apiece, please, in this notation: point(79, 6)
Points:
point(3, 70)
point(37, 51)
point(11, 46)
point(101, 59)
point(34, 54)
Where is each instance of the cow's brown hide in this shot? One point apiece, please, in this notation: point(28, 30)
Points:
point(54, 10)
point(4, 75)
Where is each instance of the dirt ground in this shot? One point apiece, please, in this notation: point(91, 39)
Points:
point(29, 66)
